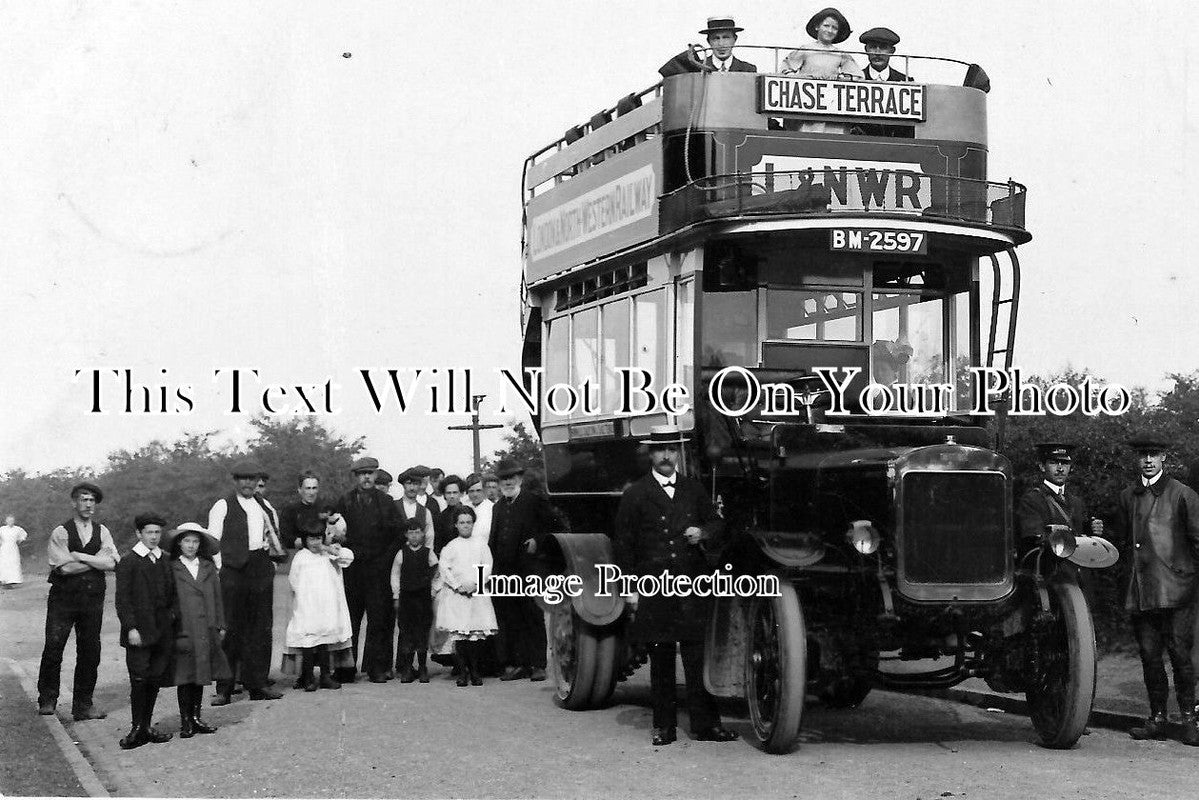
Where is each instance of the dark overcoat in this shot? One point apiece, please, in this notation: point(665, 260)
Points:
point(649, 539)
point(1039, 506)
point(515, 522)
point(1161, 523)
point(145, 599)
point(199, 657)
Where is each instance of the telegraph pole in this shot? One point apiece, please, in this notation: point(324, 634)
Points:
point(474, 427)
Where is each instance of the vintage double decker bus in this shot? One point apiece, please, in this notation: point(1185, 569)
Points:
point(818, 264)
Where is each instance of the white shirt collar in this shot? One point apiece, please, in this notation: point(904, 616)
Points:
point(1058, 490)
point(144, 551)
point(875, 75)
point(1153, 480)
point(724, 65)
point(663, 480)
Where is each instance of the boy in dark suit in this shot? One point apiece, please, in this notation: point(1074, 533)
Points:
point(145, 603)
point(666, 523)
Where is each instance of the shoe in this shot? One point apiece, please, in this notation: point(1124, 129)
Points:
point(1154, 728)
point(155, 736)
point(86, 713)
point(45, 707)
point(327, 682)
point(537, 674)
point(135, 738)
point(312, 685)
point(475, 680)
point(407, 675)
point(299, 684)
point(717, 734)
point(1190, 730)
point(463, 679)
point(379, 678)
point(422, 674)
point(389, 675)
point(187, 726)
point(239, 689)
point(516, 673)
point(264, 694)
point(220, 699)
point(198, 724)
point(663, 737)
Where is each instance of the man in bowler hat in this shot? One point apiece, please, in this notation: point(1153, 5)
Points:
point(521, 525)
point(374, 532)
point(721, 33)
point(244, 525)
point(1160, 520)
point(80, 551)
point(666, 522)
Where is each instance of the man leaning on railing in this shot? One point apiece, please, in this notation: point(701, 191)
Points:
point(722, 36)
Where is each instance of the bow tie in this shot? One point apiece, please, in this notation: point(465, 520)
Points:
point(669, 484)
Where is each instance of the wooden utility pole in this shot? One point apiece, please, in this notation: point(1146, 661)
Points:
point(474, 427)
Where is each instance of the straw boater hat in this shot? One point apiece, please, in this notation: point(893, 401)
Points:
point(209, 544)
point(720, 25)
point(664, 434)
point(843, 30)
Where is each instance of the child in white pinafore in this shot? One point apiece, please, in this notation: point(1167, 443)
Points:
point(467, 616)
point(320, 618)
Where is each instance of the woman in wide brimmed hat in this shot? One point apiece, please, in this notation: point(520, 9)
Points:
point(822, 59)
point(199, 659)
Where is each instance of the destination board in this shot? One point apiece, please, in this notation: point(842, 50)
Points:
point(781, 94)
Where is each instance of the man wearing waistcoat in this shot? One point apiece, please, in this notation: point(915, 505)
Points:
point(374, 532)
point(80, 552)
point(410, 506)
point(666, 522)
point(1159, 517)
point(243, 524)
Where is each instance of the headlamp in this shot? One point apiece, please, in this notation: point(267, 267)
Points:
point(863, 536)
point(1060, 540)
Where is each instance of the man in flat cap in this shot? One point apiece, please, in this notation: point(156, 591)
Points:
point(1159, 517)
point(409, 506)
point(244, 526)
point(521, 524)
point(80, 551)
point(374, 532)
point(721, 33)
point(666, 522)
point(879, 44)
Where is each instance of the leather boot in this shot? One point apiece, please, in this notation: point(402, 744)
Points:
point(422, 669)
point(472, 663)
point(323, 660)
point(187, 726)
point(137, 701)
point(153, 734)
point(306, 664)
point(197, 701)
point(1190, 730)
point(1154, 728)
point(404, 667)
point(460, 663)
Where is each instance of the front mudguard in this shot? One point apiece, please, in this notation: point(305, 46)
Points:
point(580, 554)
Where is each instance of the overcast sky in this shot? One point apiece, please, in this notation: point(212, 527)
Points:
point(313, 189)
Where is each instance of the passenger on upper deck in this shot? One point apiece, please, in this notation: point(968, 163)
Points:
point(880, 46)
point(722, 36)
point(821, 59)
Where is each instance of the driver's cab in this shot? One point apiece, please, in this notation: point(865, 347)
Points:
point(782, 304)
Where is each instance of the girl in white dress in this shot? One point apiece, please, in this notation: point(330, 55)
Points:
point(465, 615)
point(320, 618)
point(11, 536)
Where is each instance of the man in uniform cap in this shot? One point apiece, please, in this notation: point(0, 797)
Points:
point(1049, 502)
point(722, 36)
point(374, 532)
point(1160, 520)
point(666, 522)
point(244, 524)
point(80, 551)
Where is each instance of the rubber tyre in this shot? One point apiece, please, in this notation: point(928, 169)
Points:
point(776, 669)
point(1060, 697)
point(608, 648)
point(573, 659)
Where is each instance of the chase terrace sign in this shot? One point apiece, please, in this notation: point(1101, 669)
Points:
point(781, 94)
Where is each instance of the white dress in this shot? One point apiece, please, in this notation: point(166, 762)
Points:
point(10, 554)
point(319, 614)
point(461, 616)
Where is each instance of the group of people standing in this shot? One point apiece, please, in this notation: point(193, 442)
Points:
point(196, 602)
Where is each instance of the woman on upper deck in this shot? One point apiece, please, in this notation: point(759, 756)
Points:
point(821, 59)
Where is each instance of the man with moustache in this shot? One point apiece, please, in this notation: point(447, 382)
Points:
point(374, 532)
point(1160, 519)
point(80, 551)
point(305, 512)
point(666, 522)
point(1049, 503)
point(244, 525)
